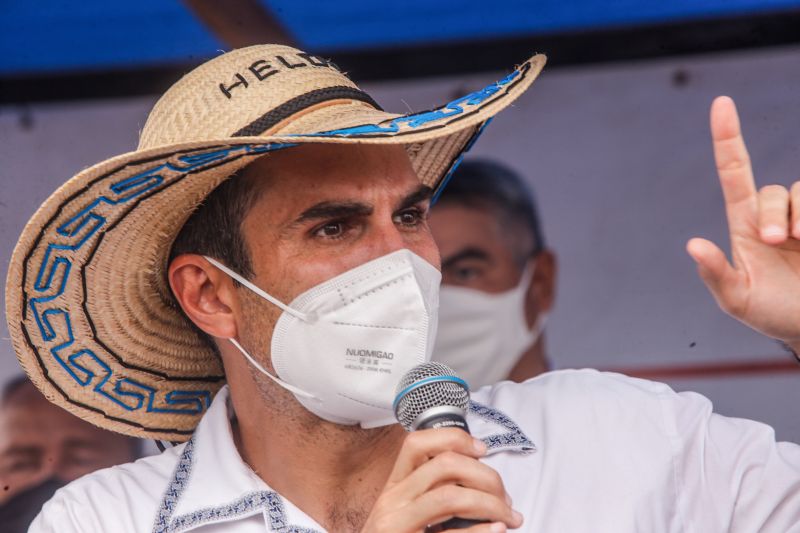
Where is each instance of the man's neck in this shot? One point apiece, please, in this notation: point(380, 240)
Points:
point(333, 473)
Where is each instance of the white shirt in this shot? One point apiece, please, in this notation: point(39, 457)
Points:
point(611, 454)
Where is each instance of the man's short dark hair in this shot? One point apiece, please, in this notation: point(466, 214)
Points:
point(215, 229)
point(491, 185)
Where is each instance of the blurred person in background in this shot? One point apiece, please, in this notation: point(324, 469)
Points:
point(42, 448)
point(498, 276)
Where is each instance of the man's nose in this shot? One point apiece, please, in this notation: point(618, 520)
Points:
point(388, 238)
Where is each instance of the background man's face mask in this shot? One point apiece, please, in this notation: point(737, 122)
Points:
point(342, 346)
point(482, 336)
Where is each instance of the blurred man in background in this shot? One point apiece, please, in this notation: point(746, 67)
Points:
point(498, 277)
point(42, 448)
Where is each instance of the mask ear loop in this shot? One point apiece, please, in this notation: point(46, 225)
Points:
point(541, 320)
point(538, 326)
point(528, 273)
point(302, 316)
point(535, 332)
point(305, 317)
point(287, 386)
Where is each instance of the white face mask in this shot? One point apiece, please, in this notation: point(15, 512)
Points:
point(481, 335)
point(342, 346)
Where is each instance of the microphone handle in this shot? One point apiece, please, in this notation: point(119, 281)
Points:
point(441, 420)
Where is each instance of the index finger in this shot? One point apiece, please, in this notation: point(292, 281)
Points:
point(420, 446)
point(733, 161)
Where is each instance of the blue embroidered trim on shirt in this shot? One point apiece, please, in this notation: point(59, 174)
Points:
point(514, 437)
point(212, 514)
point(176, 486)
point(270, 501)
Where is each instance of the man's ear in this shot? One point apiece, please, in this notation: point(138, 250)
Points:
point(205, 294)
point(542, 290)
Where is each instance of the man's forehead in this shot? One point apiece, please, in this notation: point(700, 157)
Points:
point(466, 222)
point(457, 228)
point(308, 174)
point(315, 156)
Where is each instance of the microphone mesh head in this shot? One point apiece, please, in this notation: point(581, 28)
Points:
point(435, 394)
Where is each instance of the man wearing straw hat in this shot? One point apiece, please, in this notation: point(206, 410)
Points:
point(269, 233)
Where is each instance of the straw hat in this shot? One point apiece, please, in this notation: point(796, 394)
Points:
point(89, 309)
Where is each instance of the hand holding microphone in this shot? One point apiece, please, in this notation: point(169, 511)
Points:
point(437, 475)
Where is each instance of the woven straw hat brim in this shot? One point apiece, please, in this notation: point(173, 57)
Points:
point(89, 311)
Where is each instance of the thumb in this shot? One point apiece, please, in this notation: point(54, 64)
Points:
point(724, 282)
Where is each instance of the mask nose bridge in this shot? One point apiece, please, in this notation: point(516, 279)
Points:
point(362, 287)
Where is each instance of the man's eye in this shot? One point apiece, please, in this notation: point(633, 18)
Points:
point(331, 229)
point(410, 217)
point(83, 458)
point(464, 274)
point(23, 465)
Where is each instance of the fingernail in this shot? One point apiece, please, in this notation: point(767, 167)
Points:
point(517, 517)
point(479, 446)
point(498, 527)
point(773, 231)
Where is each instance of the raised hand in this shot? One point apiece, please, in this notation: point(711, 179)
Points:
point(762, 285)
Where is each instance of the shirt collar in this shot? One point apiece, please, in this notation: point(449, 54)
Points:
point(497, 430)
point(212, 484)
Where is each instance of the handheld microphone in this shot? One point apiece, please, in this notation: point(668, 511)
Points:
point(431, 395)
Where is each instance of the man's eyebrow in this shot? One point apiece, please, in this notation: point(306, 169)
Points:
point(466, 253)
point(332, 209)
point(346, 209)
point(422, 193)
